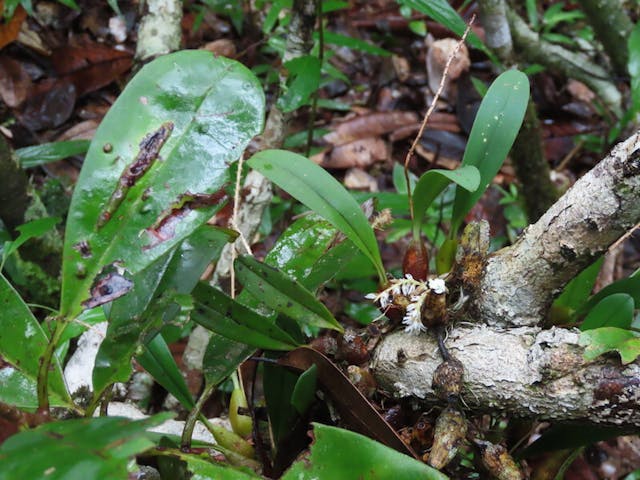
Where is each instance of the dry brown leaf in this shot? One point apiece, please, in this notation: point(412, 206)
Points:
point(223, 47)
point(359, 153)
point(358, 179)
point(370, 125)
point(14, 81)
point(437, 56)
point(9, 31)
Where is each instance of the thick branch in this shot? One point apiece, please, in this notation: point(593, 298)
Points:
point(521, 281)
point(523, 371)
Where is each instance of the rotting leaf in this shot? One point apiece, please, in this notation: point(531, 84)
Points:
point(164, 228)
point(107, 286)
point(149, 151)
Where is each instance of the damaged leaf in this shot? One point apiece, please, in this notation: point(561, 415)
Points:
point(608, 339)
point(215, 106)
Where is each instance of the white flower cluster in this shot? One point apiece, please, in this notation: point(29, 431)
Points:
point(415, 293)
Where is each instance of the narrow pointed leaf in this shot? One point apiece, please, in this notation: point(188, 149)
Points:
point(23, 341)
point(222, 314)
point(284, 295)
point(157, 165)
point(44, 153)
point(432, 183)
point(156, 359)
point(494, 130)
point(79, 448)
point(319, 191)
point(629, 285)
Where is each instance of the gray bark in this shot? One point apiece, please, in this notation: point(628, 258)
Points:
point(510, 363)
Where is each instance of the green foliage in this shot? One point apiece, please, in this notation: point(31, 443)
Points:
point(318, 190)
point(204, 109)
point(494, 130)
point(11, 5)
point(607, 339)
point(302, 82)
point(44, 153)
point(33, 229)
point(22, 343)
point(337, 453)
point(81, 448)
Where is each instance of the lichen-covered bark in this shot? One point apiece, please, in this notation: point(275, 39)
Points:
point(521, 281)
point(159, 32)
point(510, 363)
point(527, 372)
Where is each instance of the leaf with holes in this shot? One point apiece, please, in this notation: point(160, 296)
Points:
point(156, 169)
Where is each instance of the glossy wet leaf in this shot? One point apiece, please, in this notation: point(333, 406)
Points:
point(221, 314)
point(494, 130)
point(37, 155)
point(338, 453)
point(23, 341)
point(304, 392)
point(152, 302)
point(129, 319)
point(616, 310)
point(79, 448)
point(319, 191)
point(194, 111)
point(284, 295)
point(432, 183)
point(20, 390)
point(607, 339)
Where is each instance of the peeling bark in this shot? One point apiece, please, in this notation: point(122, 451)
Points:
point(527, 372)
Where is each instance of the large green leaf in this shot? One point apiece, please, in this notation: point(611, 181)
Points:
point(195, 113)
point(319, 191)
point(84, 448)
point(578, 290)
point(23, 341)
point(284, 295)
point(223, 315)
point(338, 454)
point(494, 130)
point(203, 469)
point(432, 183)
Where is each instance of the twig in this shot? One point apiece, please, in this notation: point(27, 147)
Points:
point(234, 225)
point(445, 73)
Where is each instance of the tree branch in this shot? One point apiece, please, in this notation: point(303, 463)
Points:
point(526, 372)
point(510, 363)
point(521, 281)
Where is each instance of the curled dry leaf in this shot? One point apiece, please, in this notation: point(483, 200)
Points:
point(358, 179)
point(15, 82)
point(9, 31)
point(437, 56)
point(223, 47)
point(359, 153)
point(371, 125)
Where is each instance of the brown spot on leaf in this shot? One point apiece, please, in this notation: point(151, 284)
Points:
point(164, 228)
point(84, 248)
point(108, 285)
point(149, 150)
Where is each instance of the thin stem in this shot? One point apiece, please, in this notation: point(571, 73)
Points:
point(45, 364)
point(314, 106)
point(432, 107)
point(191, 420)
